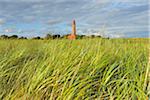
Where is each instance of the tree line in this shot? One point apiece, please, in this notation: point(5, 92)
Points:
point(49, 36)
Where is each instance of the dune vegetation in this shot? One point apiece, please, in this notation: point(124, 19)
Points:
point(61, 69)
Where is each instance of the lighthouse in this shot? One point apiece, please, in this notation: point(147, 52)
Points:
point(74, 27)
point(73, 35)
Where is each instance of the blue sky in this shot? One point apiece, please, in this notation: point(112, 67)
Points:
point(112, 18)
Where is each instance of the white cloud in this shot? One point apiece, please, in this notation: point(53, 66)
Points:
point(8, 30)
point(54, 21)
point(2, 21)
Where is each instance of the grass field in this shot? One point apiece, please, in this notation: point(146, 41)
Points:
point(89, 69)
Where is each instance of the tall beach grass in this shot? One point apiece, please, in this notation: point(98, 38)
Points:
point(89, 69)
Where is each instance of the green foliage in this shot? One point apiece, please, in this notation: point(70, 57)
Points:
point(13, 37)
point(48, 36)
point(3, 37)
point(22, 37)
point(36, 38)
point(81, 36)
point(80, 69)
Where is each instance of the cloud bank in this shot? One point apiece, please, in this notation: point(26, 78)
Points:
point(121, 18)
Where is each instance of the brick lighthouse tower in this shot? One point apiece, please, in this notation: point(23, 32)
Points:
point(73, 35)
